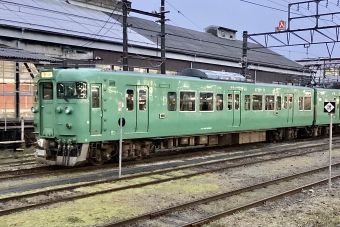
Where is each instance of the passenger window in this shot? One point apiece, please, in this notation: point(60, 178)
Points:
point(257, 102)
point(307, 103)
point(172, 101)
point(230, 101)
point(247, 102)
point(300, 103)
point(187, 102)
point(288, 102)
point(47, 90)
point(278, 103)
point(269, 102)
point(206, 101)
point(142, 100)
point(237, 101)
point(129, 99)
point(219, 102)
point(95, 96)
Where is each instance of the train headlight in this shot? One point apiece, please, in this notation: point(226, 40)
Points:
point(68, 110)
point(59, 109)
point(34, 109)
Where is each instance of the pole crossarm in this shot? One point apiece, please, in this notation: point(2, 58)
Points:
point(301, 41)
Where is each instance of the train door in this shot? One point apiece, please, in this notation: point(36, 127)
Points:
point(234, 107)
point(96, 113)
point(47, 112)
point(289, 107)
point(137, 109)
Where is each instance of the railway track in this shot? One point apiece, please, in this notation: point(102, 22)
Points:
point(168, 213)
point(209, 167)
point(47, 170)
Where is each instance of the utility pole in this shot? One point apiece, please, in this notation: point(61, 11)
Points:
point(244, 54)
point(126, 8)
point(125, 37)
point(162, 37)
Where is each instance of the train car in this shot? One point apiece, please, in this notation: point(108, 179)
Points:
point(77, 113)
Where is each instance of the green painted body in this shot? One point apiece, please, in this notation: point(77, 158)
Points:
point(101, 123)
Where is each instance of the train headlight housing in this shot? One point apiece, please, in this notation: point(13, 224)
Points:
point(68, 125)
point(34, 109)
point(59, 109)
point(68, 110)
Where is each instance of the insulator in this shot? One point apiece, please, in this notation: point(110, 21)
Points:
point(337, 4)
point(308, 5)
point(298, 7)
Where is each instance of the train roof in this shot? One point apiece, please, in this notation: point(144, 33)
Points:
point(202, 75)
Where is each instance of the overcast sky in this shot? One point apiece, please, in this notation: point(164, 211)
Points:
point(261, 16)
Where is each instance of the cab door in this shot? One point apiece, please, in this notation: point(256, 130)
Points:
point(137, 109)
point(46, 106)
point(96, 113)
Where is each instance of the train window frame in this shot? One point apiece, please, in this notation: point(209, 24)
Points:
point(272, 107)
point(95, 103)
point(247, 104)
point(47, 93)
point(142, 106)
point(204, 102)
point(310, 103)
point(72, 90)
point(219, 102)
point(230, 101)
point(186, 102)
point(278, 102)
point(129, 98)
point(287, 105)
point(300, 101)
point(261, 102)
point(237, 101)
point(172, 101)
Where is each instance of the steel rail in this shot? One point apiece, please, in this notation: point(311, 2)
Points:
point(71, 198)
point(155, 214)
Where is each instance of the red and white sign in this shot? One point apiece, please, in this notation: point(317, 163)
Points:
point(281, 27)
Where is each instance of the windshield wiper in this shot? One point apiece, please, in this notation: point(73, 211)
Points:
point(66, 99)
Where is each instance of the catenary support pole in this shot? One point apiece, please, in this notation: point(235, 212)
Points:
point(330, 152)
point(120, 147)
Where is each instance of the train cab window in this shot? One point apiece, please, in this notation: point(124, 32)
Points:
point(72, 90)
point(300, 103)
point(278, 103)
point(247, 102)
point(129, 99)
point(187, 101)
point(95, 96)
point(237, 101)
point(257, 102)
point(230, 101)
point(206, 101)
point(172, 104)
point(47, 91)
point(142, 100)
point(307, 103)
point(219, 102)
point(269, 102)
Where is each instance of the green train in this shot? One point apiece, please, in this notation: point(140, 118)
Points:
point(77, 113)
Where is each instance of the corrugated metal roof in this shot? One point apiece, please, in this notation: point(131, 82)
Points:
point(17, 54)
point(196, 43)
point(59, 17)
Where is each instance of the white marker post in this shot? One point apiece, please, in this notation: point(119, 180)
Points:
point(330, 153)
point(329, 107)
point(120, 146)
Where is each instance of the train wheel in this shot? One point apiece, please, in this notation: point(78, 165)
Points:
point(96, 157)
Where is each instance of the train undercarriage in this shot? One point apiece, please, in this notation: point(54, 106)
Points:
point(97, 153)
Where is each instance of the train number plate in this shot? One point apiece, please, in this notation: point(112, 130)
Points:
point(41, 152)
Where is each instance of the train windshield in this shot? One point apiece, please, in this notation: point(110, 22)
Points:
point(72, 90)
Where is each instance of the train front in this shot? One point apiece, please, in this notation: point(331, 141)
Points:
point(60, 113)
